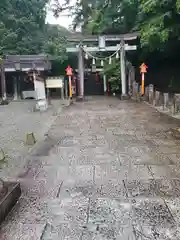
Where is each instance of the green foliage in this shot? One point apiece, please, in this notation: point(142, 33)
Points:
point(55, 44)
point(23, 29)
point(112, 72)
point(157, 21)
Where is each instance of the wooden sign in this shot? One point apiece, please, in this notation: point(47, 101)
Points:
point(54, 82)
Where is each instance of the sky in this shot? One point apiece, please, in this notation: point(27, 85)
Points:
point(64, 21)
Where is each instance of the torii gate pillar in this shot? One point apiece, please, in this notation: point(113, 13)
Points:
point(123, 72)
point(80, 74)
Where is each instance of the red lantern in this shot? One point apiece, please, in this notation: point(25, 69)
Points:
point(69, 71)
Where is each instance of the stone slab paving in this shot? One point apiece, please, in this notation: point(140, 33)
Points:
point(108, 169)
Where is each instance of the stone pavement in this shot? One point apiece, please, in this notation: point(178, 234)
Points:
point(108, 169)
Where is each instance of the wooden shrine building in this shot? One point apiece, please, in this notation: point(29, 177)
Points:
point(16, 74)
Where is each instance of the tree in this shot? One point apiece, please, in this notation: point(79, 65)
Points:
point(23, 29)
point(55, 42)
point(23, 21)
point(112, 72)
point(157, 21)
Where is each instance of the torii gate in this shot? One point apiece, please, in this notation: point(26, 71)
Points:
point(122, 47)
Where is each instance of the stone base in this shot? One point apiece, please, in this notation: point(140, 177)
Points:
point(124, 97)
point(8, 198)
point(79, 99)
point(41, 105)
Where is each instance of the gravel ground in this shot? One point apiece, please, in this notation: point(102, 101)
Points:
point(17, 119)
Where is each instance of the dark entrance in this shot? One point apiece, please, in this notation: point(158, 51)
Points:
point(93, 84)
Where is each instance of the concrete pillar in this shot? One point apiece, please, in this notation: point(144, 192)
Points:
point(123, 71)
point(81, 73)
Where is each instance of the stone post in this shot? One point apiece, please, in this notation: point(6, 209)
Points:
point(151, 94)
point(135, 91)
point(147, 93)
point(157, 98)
point(140, 90)
point(62, 92)
point(165, 100)
point(176, 103)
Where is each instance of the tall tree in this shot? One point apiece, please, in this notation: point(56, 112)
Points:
point(23, 30)
point(22, 24)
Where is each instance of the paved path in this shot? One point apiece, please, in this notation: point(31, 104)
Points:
point(107, 170)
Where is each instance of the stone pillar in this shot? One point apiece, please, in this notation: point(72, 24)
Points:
point(81, 73)
point(66, 88)
point(104, 84)
point(135, 89)
point(131, 80)
point(140, 90)
point(176, 103)
point(15, 89)
point(3, 84)
point(165, 100)
point(62, 93)
point(151, 94)
point(157, 98)
point(123, 71)
point(147, 93)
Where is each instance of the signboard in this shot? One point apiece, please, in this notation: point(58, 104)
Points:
point(143, 68)
point(102, 42)
point(94, 68)
point(69, 71)
point(54, 82)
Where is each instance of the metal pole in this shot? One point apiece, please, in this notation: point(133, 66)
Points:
point(123, 71)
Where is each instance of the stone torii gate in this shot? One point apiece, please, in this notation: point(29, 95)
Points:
point(83, 41)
